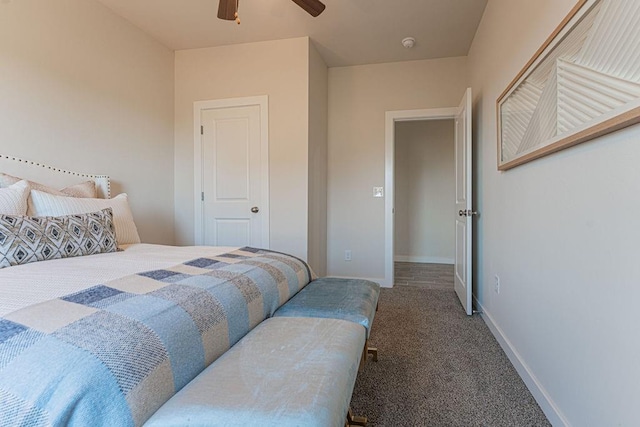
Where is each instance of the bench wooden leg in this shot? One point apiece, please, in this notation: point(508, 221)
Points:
point(373, 351)
point(366, 351)
point(363, 358)
point(353, 420)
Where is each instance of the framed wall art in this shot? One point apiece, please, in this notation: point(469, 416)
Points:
point(582, 83)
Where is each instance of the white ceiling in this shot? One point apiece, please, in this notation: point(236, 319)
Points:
point(348, 32)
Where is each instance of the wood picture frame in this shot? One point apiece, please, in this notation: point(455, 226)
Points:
point(582, 83)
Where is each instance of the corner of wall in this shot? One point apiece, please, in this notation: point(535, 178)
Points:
point(318, 153)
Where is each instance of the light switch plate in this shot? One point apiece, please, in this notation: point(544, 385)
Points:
point(378, 192)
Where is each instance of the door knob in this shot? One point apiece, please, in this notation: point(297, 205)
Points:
point(467, 212)
point(255, 209)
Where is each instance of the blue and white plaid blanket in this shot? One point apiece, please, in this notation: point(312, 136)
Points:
point(114, 353)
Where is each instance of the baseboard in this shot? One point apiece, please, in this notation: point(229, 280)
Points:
point(550, 409)
point(380, 280)
point(423, 259)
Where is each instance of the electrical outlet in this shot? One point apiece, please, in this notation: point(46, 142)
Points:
point(497, 284)
point(378, 192)
point(347, 255)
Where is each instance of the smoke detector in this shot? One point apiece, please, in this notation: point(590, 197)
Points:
point(408, 42)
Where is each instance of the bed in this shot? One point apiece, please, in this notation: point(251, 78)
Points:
point(106, 336)
point(97, 328)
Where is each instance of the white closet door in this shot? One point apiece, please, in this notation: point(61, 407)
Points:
point(232, 165)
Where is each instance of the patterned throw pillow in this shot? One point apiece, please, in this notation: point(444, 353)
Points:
point(25, 239)
point(43, 204)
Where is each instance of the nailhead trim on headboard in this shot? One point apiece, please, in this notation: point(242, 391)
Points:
point(82, 175)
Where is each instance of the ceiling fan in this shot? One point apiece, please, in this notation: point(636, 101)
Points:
point(228, 9)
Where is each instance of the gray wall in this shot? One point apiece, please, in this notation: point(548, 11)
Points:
point(318, 152)
point(560, 233)
point(82, 89)
point(279, 69)
point(359, 96)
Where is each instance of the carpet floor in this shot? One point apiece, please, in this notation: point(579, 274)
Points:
point(438, 367)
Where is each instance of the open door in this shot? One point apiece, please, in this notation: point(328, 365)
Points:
point(464, 211)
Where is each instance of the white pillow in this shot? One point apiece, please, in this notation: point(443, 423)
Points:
point(13, 199)
point(44, 204)
point(83, 189)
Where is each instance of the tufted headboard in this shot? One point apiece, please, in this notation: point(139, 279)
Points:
point(52, 176)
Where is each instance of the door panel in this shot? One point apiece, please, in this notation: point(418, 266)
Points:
point(231, 172)
point(233, 232)
point(461, 252)
point(231, 153)
point(463, 267)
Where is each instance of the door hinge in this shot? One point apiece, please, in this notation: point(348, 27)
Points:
point(202, 196)
point(201, 130)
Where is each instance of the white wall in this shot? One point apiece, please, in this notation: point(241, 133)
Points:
point(358, 99)
point(318, 98)
point(82, 89)
point(424, 191)
point(279, 69)
point(560, 233)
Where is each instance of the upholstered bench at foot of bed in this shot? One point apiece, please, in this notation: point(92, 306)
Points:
point(285, 372)
point(355, 300)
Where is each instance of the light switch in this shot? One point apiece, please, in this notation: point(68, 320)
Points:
point(378, 192)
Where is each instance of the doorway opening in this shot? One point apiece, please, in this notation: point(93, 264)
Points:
point(424, 229)
point(392, 119)
point(463, 212)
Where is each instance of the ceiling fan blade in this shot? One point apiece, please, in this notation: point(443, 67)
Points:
point(312, 7)
point(227, 9)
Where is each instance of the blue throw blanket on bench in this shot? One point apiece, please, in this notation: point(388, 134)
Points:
point(114, 353)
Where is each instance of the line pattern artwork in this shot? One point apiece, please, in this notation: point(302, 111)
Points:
point(591, 74)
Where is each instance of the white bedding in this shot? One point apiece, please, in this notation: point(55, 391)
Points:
point(28, 284)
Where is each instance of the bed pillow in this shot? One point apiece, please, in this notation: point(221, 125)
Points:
point(25, 239)
point(44, 204)
point(85, 189)
point(13, 199)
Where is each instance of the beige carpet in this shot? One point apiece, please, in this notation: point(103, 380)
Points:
point(438, 367)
